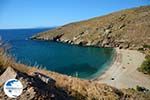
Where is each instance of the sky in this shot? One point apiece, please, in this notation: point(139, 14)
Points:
point(51, 13)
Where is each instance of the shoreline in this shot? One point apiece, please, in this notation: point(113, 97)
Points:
point(123, 73)
point(106, 65)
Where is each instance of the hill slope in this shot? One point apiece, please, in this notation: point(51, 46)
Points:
point(125, 29)
point(46, 85)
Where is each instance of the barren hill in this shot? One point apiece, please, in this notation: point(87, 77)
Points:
point(125, 29)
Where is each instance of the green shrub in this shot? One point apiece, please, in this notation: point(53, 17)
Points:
point(141, 89)
point(140, 49)
point(147, 57)
point(145, 67)
point(146, 46)
point(138, 88)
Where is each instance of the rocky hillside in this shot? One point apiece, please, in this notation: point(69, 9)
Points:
point(40, 84)
point(125, 29)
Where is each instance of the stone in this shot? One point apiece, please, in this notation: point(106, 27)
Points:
point(105, 42)
point(44, 78)
point(89, 43)
point(69, 41)
point(8, 74)
point(57, 38)
point(109, 26)
point(122, 17)
point(74, 38)
point(81, 33)
point(107, 31)
point(124, 45)
point(121, 26)
point(83, 43)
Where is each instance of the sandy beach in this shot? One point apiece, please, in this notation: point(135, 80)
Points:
point(123, 72)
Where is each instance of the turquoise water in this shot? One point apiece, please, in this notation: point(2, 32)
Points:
point(83, 62)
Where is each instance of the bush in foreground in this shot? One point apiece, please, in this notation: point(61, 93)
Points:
point(141, 89)
point(145, 67)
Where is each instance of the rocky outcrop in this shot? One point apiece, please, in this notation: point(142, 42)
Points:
point(35, 87)
point(46, 85)
point(125, 29)
point(49, 81)
point(8, 74)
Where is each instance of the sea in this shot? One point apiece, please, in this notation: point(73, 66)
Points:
point(72, 60)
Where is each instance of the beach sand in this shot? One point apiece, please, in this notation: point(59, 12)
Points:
point(123, 72)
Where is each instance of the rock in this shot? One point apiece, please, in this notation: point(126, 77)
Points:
point(105, 42)
point(8, 74)
point(109, 26)
point(124, 45)
point(66, 41)
point(121, 26)
point(52, 96)
point(81, 33)
point(107, 31)
point(86, 32)
point(57, 38)
point(30, 94)
point(121, 41)
point(46, 38)
point(74, 38)
point(116, 45)
point(122, 17)
point(69, 41)
point(83, 43)
point(89, 43)
point(44, 78)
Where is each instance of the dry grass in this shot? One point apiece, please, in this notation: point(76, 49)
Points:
point(131, 26)
point(80, 89)
point(77, 88)
point(5, 60)
point(8, 61)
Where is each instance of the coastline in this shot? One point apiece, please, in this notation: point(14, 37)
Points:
point(123, 73)
point(106, 66)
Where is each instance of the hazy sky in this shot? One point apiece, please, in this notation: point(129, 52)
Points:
point(48, 13)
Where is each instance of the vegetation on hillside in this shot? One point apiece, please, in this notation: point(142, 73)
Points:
point(124, 29)
point(8, 61)
point(145, 67)
point(65, 86)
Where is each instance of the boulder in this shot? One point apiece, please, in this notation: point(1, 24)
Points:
point(89, 43)
point(121, 26)
point(105, 42)
point(57, 38)
point(124, 45)
point(44, 78)
point(8, 74)
point(83, 43)
point(107, 31)
point(81, 33)
point(109, 26)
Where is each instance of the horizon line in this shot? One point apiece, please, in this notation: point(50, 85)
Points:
point(28, 28)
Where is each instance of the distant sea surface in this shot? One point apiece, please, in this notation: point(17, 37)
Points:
point(83, 62)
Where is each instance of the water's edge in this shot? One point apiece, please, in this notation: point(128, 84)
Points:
point(105, 66)
point(88, 62)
